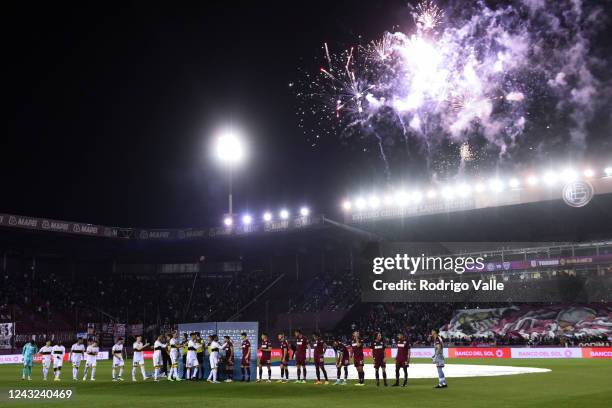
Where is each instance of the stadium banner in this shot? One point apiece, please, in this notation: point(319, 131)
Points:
point(479, 352)
point(597, 352)
point(6, 335)
point(18, 358)
point(547, 352)
point(45, 224)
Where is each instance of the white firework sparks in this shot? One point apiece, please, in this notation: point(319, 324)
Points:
point(471, 75)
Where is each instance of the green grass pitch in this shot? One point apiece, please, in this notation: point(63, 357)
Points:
point(571, 383)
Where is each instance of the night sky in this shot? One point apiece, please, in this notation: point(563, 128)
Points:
point(111, 108)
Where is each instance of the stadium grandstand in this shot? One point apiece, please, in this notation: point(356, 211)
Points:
point(64, 278)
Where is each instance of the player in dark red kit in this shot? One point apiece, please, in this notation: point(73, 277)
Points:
point(301, 344)
point(284, 362)
point(265, 348)
point(245, 364)
point(378, 352)
point(319, 357)
point(357, 352)
point(342, 360)
point(228, 348)
point(402, 359)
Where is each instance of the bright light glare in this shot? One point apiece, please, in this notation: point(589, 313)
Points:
point(479, 187)
point(284, 214)
point(247, 219)
point(532, 180)
point(267, 217)
point(588, 173)
point(550, 178)
point(568, 175)
point(608, 171)
point(374, 202)
point(496, 185)
point(417, 196)
point(514, 183)
point(360, 203)
point(388, 200)
point(347, 205)
point(447, 193)
point(228, 221)
point(229, 148)
point(462, 190)
point(304, 211)
point(401, 198)
point(431, 194)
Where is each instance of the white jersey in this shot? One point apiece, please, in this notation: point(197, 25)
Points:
point(77, 353)
point(117, 352)
point(138, 354)
point(46, 352)
point(213, 350)
point(91, 355)
point(58, 355)
point(158, 359)
point(174, 350)
point(192, 356)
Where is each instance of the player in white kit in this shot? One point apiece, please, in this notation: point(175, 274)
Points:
point(46, 352)
point(91, 360)
point(192, 357)
point(138, 359)
point(58, 359)
point(174, 357)
point(77, 352)
point(118, 362)
point(158, 359)
point(213, 357)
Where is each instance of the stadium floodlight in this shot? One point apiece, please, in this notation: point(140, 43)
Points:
point(532, 180)
point(229, 150)
point(416, 196)
point(267, 217)
point(401, 198)
point(228, 221)
point(374, 202)
point(496, 185)
point(550, 178)
point(304, 211)
point(360, 203)
point(608, 171)
point(347, 205)
point(229, 147)
point(479, 187)
point(568, 175)
point(514, 183)
point(588, 173)
point(284, 214)
point(462, 190)
point(388, 200)
point(447, 193)
point(431, 194)
point(247, 219)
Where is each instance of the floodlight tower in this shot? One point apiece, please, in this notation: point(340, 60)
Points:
point(230, 151)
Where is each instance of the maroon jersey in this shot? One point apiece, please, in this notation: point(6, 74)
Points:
point(284, 346)
point(319, 351)
point(403, 352)
point(342, 354)
point(228, 347)
point(246, 349)
point(378, 350)
point(301, 343)
point(357, 349)
point(266, 351)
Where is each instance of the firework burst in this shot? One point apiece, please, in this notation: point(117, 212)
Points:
point(452, 79)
